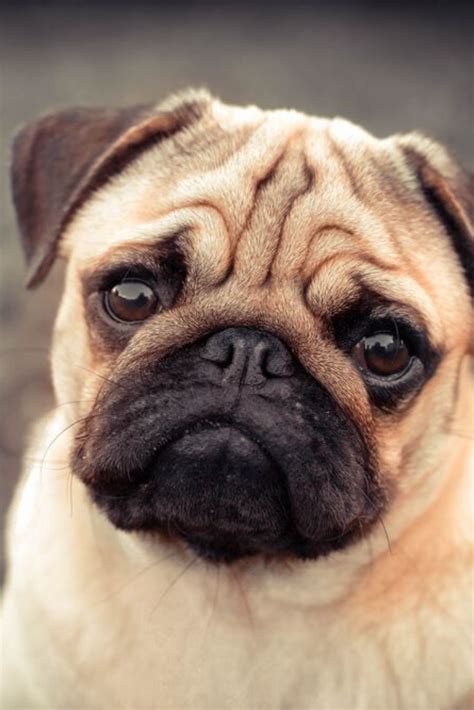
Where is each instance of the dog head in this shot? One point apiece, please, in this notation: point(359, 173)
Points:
point(264, 319)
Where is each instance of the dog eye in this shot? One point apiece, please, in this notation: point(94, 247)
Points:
point(382, 354)
point(131, 300)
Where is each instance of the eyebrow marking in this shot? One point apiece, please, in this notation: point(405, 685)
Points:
point(151, 256)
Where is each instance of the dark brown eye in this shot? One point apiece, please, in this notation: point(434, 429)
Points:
point(382, 354)
point(131, 300)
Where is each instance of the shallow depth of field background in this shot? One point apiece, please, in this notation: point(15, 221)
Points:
point(391, 66)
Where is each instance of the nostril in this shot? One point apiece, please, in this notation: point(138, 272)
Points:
point(278, 362)
point(218, 350)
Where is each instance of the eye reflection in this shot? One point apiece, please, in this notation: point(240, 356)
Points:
point(383, 354)
point(131, 300)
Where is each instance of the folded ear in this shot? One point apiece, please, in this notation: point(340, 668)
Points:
point(449, 191)
point(60, 159)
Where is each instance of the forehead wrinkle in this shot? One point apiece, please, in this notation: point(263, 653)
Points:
point(162, 186)
point(324, 161)
point(274, 201)
point(374, 170)
point(332, 240)
point(381, 175)
point(332, 203)
point(352, 256)
point(335, 280)
point(348, 166)
point(244, 169)
point(291, 251)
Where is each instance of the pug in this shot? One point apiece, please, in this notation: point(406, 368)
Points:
point(254, 491)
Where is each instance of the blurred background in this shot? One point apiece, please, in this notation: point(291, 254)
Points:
point(391, 66)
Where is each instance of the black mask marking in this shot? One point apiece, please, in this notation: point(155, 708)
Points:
point(232, 446)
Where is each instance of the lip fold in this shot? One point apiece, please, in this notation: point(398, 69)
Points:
point(199, 425)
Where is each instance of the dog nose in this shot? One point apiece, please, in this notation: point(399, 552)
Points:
point(248, 356)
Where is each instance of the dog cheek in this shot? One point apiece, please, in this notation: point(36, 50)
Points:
point(336, 493)
point(71, 360)
point(411, 445)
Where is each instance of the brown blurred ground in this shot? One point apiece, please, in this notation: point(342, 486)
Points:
point(390, 67)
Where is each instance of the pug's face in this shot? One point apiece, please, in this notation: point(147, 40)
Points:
point(270, 310)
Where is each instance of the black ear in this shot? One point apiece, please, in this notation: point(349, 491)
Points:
point(449, 191)
point(60, 159)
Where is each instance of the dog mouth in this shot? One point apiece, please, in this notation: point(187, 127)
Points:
point(216, 485)
point(233, 463)
point(213, 484)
